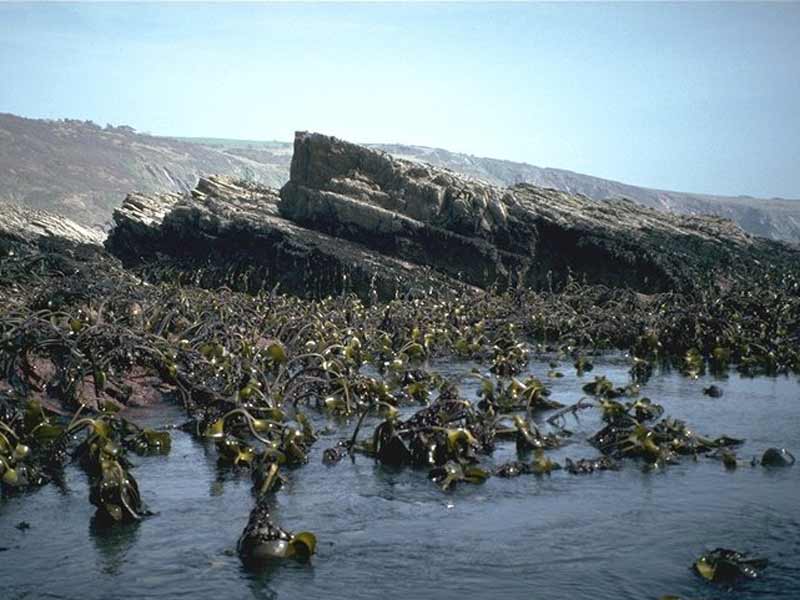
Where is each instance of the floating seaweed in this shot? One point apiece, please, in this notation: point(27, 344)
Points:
point(725, 566)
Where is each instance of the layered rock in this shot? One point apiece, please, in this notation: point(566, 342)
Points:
point(775, 218)
point(354, 218)
point(229, 232)
point(32, 226)
point(523, 234)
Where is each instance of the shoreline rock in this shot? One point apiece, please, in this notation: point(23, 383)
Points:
point(506, 236)
point(229, 233)
point(353, 218)
point(32, 226)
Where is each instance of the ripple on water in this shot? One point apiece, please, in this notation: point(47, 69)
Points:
point(391, 533)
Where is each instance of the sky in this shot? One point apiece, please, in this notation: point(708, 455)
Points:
point(690, 97)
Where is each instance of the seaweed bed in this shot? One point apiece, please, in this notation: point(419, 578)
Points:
point(396, 271)
point(82, 339)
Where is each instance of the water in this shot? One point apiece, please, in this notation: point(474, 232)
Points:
point(392, 533)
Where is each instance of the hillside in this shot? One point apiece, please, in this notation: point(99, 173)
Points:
point(83, 171)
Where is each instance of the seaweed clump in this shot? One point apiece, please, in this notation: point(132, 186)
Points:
point(82, 338)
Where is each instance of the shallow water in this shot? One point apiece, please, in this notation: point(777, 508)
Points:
point(392, 533)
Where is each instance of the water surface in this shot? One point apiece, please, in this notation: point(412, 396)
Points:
point(610, 535)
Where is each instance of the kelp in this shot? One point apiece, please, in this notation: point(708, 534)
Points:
point(263, 541)
point(115, 493)
point(31, 449)
point(43, 441)
point(86, 338)
point(627, 436)
point(584, 466)
point(452, 473)
point(725, 566)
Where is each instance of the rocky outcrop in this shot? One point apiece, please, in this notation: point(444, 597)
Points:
point(82, 171)
point(31, 226)
point(230, 233)
point(354, 218)
point(523, 234)
point(775, 218)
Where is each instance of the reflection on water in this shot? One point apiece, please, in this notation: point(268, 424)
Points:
point(390, 532)
point(112, 543)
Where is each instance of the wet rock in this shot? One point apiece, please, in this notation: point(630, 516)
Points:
point(713, 391)
point(333, 455)
point(777, 457)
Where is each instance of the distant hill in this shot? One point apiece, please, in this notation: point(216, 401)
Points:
point(83, 171)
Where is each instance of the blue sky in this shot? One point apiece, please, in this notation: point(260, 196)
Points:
point(691, 97)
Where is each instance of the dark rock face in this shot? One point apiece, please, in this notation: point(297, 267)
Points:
point(354, 218)
point(777, 457)
point(230, 233)
point(506, 236)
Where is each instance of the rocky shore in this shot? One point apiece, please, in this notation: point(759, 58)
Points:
point(394, 270)
point(353, 218)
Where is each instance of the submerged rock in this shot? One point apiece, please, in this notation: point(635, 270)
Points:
point(777, 457)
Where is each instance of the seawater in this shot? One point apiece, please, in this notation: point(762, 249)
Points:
point(391, 533)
